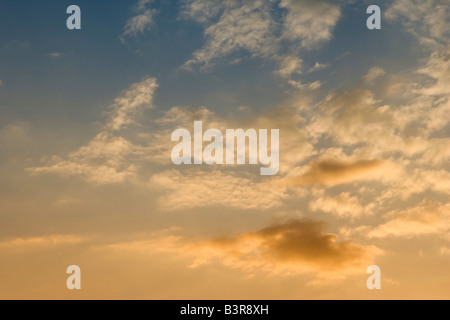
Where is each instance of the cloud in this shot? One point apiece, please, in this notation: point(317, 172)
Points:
point(332, 172)
point(373, 74)
point(33, 243)
point(291, 248)
point(437, 68)
point(138, 97)
point(142, 4)
point(104, 160)
point(417, 181)
point(118, 153)
point(373, 154)
point(428, 20)
point(183, 187)
point(318, 66)
point(344, 205)
point(353, 116)
point(437, 152)
point(289, 65)
point(294, 247)
point(361, 120)
point(140, 23)
point(309, 21)
point(352, 135)
point(243, 25)
point(424, 219)
point(251, 26)
point(197, 188)
point(108, 157)
point(239, 187)
point(201, 11)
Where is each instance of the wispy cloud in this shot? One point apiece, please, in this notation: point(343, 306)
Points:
point(200, 10)
point(318, 66)
point(55, 55)
point(107, 158)
point(428, 20)
point(290, 65)
point(128, 105)
point(250, 26)
point(200, 189)
point(104, 160)
point(422, 220)
point(141, 22)
point(44, 242)
point(373, 74)
point(243, 25)
point(343, 205)
point(310, 22)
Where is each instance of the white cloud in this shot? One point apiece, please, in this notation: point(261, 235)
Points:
point(344, 205)
point(251, 26)
point(373, 74)
point(34, 243)
point(108, 157)
point(315, 85)
point(352, 116)
point(139, 96)
point(198, 188)
point(318, 66)
point(437, 152)
point(386, 146)
point(310, 21)
point(200, 10)
point(244, 25)
point(426, 19)
point(437, 67)
point(289, 65)
point(102, 161)
point(140, 23)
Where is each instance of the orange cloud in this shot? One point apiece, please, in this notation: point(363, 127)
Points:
point(344, 205)
point(41, 242)
point(333, 172)
point(423, 219)
point(291, 248)
point(198, 188)
point(294, 247)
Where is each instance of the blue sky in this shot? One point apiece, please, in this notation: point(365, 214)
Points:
point(95, 64)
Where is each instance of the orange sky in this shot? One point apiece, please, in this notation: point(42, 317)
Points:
point(364, 172)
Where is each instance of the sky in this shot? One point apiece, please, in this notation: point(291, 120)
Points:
point(85, 149)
